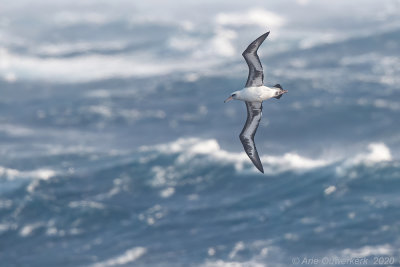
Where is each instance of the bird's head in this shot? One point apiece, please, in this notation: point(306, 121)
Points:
point(234, 95)
point(280, 91)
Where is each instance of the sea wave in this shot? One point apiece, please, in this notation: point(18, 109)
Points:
point(11, 174)
point(169, 163)
point(128, 256)
point(158, 187)
point(209, 150)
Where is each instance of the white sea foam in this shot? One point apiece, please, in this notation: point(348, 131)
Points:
point(43, 174)
point(8, 172)
point(5, 227)
point(191, 147)
point(330, 189)
point(259, 248)
point(86, 67)
point(205, 55)
point(57, 49)
point(128, 256)
point(151, 215)
point(101, 110)
point(216, 31)
point(238, 247)
point(28, 229)
point(204, 151)
point(377, 153)
point(11, 174)
point(385, 68)
point(320, 39)
point(184, 43)
point(366, 251)
point(221, 43)
point(167, 192)
point(379, 103)
point(15, 130)
point(255, 16)
point(216, 48)
point(35, 176)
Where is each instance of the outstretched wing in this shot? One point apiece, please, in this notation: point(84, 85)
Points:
point(256, 75)
point(254, 112)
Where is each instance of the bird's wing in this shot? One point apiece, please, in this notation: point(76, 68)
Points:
point(254, 112)
point(256, 75)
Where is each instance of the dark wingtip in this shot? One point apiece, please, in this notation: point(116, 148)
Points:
point(261, 170)
point(259, 165)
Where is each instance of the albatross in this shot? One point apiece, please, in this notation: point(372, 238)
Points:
point(253, 94)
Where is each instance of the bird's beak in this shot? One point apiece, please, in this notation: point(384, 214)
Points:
point(228, 99)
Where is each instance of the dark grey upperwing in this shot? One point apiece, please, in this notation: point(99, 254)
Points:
point(256, 75)
point(254, 112)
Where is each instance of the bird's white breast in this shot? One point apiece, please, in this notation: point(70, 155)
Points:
point(257, 94)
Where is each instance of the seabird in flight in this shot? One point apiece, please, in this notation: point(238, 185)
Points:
point(254, 93)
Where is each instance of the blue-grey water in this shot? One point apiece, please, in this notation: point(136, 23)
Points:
point(116, 148)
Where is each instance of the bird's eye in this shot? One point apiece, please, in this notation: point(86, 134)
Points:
point(234, 95)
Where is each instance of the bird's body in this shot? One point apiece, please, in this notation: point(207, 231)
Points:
point(253, 94)
point(257, 93)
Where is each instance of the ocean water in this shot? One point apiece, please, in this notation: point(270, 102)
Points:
point(116, 148)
